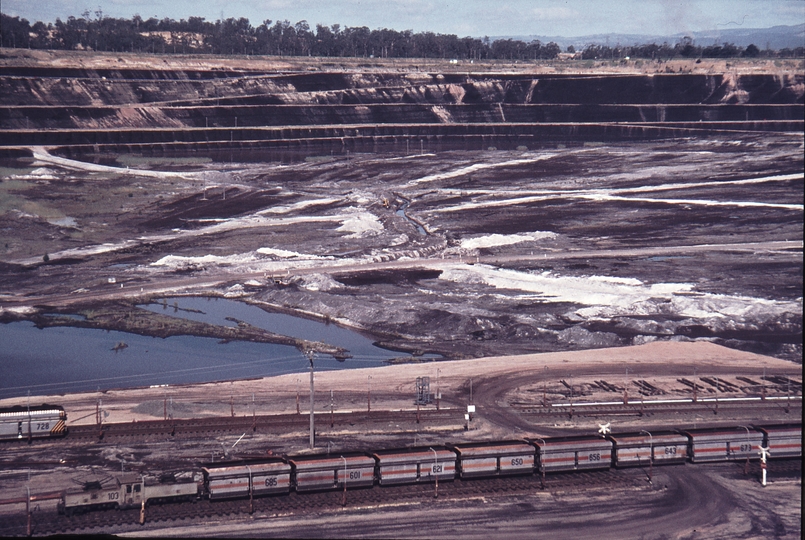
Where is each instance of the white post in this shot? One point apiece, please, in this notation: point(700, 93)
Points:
point(764, 452)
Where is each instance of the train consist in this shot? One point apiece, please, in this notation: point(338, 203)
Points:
point(281, 475)
point(32, 422)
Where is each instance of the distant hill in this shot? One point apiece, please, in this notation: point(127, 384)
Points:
point(776, 37)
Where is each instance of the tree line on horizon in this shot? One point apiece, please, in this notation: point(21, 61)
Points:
point(238, 37)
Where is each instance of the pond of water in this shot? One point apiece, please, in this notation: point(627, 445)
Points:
point(63, 359)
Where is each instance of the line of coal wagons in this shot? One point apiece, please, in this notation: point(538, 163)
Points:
point(275, 475)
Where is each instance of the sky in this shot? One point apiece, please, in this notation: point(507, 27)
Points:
point(476, 18)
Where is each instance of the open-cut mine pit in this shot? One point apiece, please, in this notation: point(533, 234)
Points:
point(446, 213)
point(459, 214)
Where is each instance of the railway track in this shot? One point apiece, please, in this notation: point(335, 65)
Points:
point(532, 413)
point(265, 423)
point(535, 411)
point(294, 504)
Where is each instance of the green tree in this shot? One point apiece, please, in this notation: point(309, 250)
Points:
point(751, 51)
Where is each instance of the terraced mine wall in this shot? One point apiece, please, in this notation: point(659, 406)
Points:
point(152, 111)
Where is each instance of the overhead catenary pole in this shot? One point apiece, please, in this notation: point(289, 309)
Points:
point(748, 440)
point(98, 418)
point(541, 465)
point(251, 489)
point(438, 391)
point(626, 388)
point(650, 455)
point(28, 509)
point(344, 499)
point(310, 355)
point(763, 386)
point(30, 435)
point(788, 394)
point(436, 473)
point(716, 411)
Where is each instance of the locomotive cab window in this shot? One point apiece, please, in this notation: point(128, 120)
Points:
point(136, 488)
point(128, 489)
